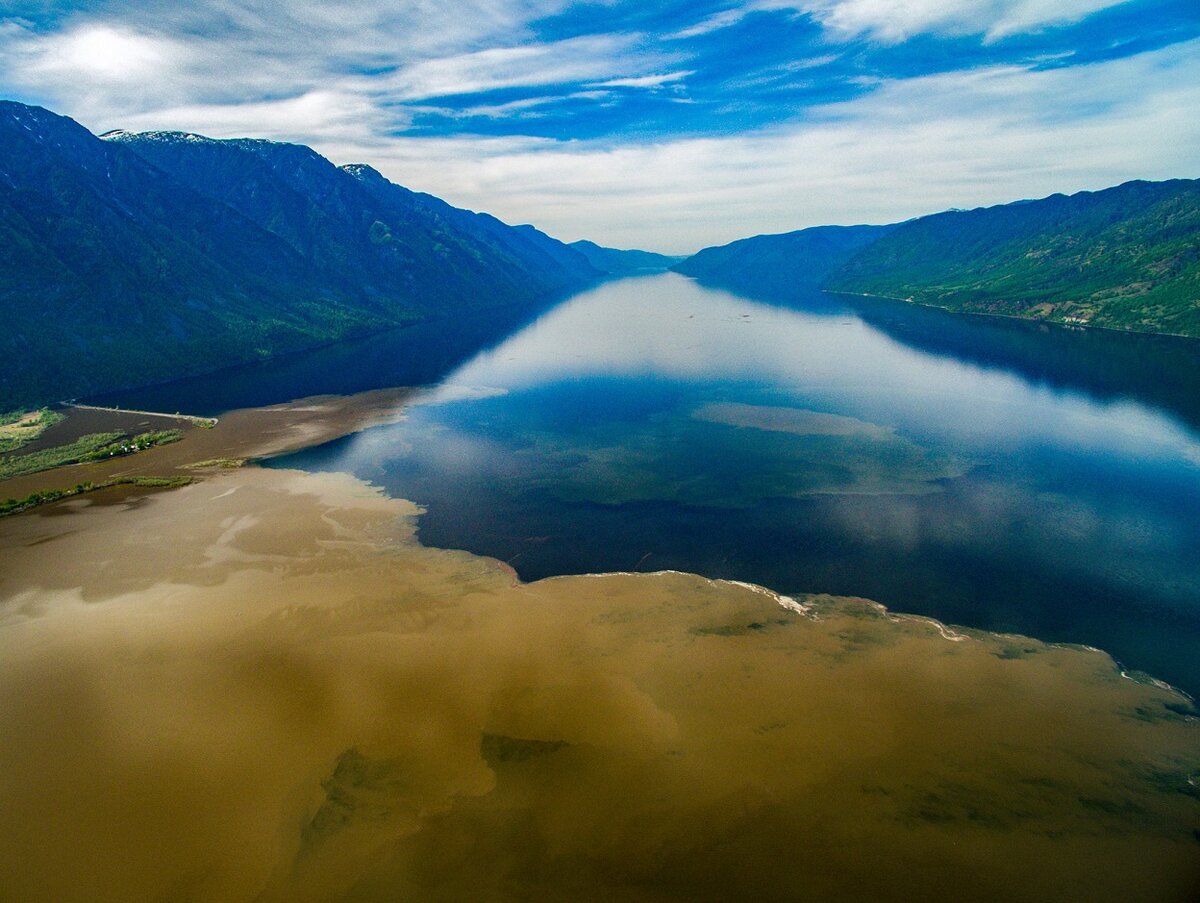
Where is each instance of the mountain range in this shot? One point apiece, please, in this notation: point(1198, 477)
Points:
point(136, 258)
point(1125, 258)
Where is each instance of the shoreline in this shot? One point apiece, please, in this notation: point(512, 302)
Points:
point(199, 421)
point(1016, 317)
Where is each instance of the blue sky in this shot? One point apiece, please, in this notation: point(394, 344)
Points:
point(668, 126)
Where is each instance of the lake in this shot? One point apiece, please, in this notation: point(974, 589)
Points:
point(992, 474)
point(262, 685)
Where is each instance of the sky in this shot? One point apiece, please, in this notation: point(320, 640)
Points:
point(667, 126)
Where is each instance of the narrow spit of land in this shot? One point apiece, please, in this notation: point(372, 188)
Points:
point(199, 421)
point(203, 444)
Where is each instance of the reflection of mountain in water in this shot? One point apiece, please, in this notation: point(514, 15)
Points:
point(1161, 371)
point(412, 356)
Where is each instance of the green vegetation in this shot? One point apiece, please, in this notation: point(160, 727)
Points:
point(47, 458)
point(140, 442)
point(15, 506)
point(19, 428)
point(93, 447)
point(222, 463)
point(1124, 258)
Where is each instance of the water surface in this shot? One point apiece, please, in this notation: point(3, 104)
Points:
point(987, 474)
point(259, 687)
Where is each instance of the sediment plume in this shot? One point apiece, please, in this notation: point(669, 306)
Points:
point(262, 687)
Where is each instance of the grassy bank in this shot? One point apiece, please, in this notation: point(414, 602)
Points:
point(93, 447)
point(15, 506)
point(19, 428)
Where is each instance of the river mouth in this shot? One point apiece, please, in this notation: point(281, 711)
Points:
point(262, 687)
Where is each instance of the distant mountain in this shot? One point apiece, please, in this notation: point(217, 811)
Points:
point(1127, 258)
point(616, 262)
point(774, 264)
point(142, 258)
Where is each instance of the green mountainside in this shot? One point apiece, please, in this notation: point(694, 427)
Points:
point(144, 258)
point(1125, 258)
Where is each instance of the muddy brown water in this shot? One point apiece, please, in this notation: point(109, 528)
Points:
point(262, 687)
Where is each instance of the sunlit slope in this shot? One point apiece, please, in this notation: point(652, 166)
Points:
point(1125, 258)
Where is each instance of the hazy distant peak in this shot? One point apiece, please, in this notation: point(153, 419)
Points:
point(618, 261)
point(781, 262)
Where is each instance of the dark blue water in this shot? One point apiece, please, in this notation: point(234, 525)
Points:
point(993, 475)
point(411, 356)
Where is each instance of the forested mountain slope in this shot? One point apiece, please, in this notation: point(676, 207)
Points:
point(1127, 258)
point(147, 257)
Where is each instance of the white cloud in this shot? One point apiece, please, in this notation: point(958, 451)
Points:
point(100, 65)
point(347, 30)
point(647, 81)
point(903, 148)
point(102, 53)
point(97, 66)
point(892, 21)
point(222, 63)
point(315, 115)
point(712, 23)
point(527, 107)
point(909, 147)
point(574, 60)
point(1032, 15)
